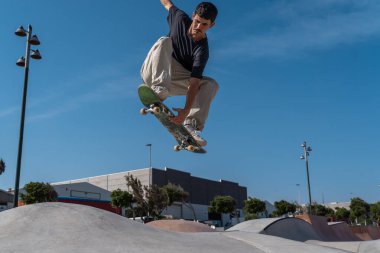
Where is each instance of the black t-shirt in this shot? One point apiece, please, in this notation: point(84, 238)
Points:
point(192, 55)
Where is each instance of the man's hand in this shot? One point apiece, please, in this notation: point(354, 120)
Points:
point(180, 118)
point(167, 4)
point(190, 97)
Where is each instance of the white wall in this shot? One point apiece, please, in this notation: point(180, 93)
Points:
point(82, 190)
point(115, 181)
point(186, 211)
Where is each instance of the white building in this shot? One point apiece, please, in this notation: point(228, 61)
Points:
point(201, 191)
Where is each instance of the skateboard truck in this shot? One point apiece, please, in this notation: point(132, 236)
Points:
point(185, 145)
point(153, 108)
point(190, 148)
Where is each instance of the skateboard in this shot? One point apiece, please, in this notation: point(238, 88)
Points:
point(154, 106)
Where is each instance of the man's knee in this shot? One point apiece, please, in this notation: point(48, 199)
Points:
point(211, 84)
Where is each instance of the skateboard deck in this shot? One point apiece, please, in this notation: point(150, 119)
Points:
point(154, 105)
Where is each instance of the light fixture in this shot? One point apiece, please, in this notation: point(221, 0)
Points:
point(21, 62)
point(21, 32)
point(34, 41)
point(36, 54)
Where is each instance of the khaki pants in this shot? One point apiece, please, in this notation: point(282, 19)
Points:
point(160, 68)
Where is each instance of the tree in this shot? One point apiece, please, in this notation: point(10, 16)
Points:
point(375, 212)
point(2, 166)
point(322, 210)
point(138, 195)
point(37, 192)
point(157, 200)
point(330, 213)
point(252, 207)
point(151, 200)
point(223, 204)
point(359, 210)
point(175, 193)
point(283, 207)
point(342, 214)
point(122, 199)
point(251, 216)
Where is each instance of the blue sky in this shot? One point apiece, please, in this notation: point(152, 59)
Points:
point(288, 71)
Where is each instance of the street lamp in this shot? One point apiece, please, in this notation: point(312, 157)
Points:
point(150, 154)
point(24, 62)
point(305, 156)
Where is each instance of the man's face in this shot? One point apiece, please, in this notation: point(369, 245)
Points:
point(199, 26)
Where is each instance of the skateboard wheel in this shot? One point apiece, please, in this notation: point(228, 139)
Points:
point(177, 148)
point(156, 110)
point(143, 111)
point(190, 148)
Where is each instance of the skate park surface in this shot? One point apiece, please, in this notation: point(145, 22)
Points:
point(62, 227)
point(180, 226)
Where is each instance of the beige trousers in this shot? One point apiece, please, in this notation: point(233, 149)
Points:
point(160, 68)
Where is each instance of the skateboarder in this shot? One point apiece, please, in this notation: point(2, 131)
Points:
point(174, 65)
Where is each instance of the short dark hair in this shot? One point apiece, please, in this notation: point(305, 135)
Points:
point(207, 10)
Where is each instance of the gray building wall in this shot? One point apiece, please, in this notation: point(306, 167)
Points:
point(114, 181)
point(201, 191)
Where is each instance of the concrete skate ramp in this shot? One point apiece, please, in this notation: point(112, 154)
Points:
point(263, 235)
point(62, 227)
point(369, 247)
point(366, 233)
point(289, 228)
point(294, 235)
point(293, 229)
point(342, 232)
point(180, 226)
point(356, 246)
point(334, 232)
point(300, 233)
point(303, 228)
point(254, 226)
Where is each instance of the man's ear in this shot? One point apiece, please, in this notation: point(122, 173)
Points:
point(192, 16)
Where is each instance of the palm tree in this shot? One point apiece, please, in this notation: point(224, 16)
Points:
point(2, 166)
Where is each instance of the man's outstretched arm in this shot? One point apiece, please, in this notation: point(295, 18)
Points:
point(167, 4)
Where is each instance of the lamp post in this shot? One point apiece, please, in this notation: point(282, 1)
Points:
point(24, 62)
point(150, 154)
point(305, 156)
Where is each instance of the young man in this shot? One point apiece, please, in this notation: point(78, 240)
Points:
point(174, 65)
